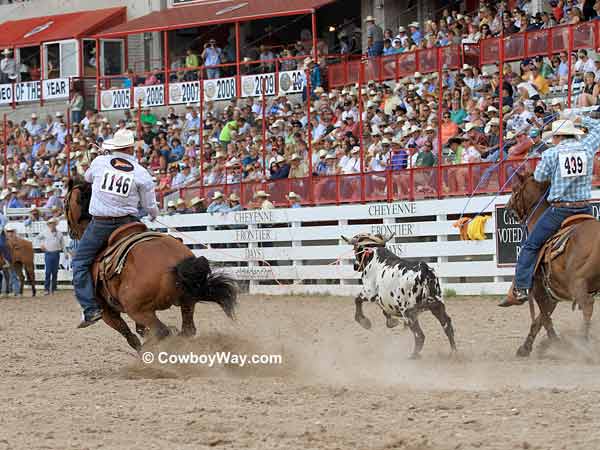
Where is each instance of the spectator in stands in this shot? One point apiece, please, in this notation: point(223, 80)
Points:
point(212, 57)
point(261, 199)
point(197, 205)
point(294, 200)
point(218, 204)
point(52, 244)
point(180, 207)
point(374, 37)
point(234, 202)
point(192, 62)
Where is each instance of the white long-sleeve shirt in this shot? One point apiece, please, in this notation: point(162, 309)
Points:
point(119, 186)
point(51, 241)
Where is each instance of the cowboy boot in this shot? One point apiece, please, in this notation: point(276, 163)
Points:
point(514, 297)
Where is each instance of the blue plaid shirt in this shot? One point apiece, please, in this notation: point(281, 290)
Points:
point(570, 189)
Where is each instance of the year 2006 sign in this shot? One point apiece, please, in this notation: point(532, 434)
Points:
point(509, 234)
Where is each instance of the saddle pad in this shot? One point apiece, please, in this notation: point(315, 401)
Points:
point(112, 261)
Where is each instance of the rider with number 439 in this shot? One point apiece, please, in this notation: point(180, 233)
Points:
point(119, 186)
point(568, 165)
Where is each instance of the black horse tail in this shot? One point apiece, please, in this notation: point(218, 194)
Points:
point(200, 284)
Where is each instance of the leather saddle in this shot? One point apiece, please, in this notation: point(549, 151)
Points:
point(111, 260)
point(556, 245)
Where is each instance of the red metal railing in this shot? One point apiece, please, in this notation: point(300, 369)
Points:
point(391, 185)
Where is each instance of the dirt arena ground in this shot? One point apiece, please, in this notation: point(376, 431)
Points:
point(339, 387)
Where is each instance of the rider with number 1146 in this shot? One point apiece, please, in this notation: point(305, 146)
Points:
point(119, 186)
point(568, 166)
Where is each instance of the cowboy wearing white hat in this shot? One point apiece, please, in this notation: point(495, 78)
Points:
point(262, 200)
point(120, 185)
point(374, 37)
point(294, 199)
point(234, 202)
point(217, 204)
point(568, 165)
point(197, 205)
point(52, 244)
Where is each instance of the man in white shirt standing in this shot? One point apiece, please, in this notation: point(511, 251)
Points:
point(52, 244)
point(8, 66)
point(33, 127)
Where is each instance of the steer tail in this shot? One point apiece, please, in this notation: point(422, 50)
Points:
point(200, 284)
point(431, 282)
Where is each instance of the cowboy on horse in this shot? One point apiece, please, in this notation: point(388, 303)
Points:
point(119, 186)
point(568, 166)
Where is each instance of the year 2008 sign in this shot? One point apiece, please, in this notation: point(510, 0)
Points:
point(509, 234)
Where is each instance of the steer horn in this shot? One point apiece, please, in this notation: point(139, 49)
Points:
point(349, 241)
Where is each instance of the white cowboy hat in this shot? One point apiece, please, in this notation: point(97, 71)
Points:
point(293, 195)
point(556, 101)
point(492, 109)
point(219, 155)
point(401, 29)
point(121, 139)
point(259, 194)
point(7, 51)
point(33, 208)
point(417, 75)
point(295, 157)
point(30, 182)
point(217, 195)
point(370, 19)
point(196, 200)
point(331, 157)
point(59, 114)
point(180, 202)
point(233, 197)
point(52, 220)
point(171, 204)
point(34, 116)
point(565, 128)
point(280, 159)
point(10, 227)
point(355, 149)
point(469, 126)
point(414, 25)
point(308, 61)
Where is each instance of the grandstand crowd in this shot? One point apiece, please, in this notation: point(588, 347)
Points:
point(319, 132)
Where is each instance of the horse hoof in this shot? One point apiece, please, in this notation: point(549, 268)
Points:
point(187, 333)
point(391, 322)
point(364, 322)
point(523, 352)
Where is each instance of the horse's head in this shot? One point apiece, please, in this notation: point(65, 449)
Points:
point(77, 203)
point(363, 244)
point(526, 195)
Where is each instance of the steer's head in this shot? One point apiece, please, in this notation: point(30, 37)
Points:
point(364, 248)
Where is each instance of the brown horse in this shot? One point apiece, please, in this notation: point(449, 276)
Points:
point(157, 274)
point(573, 276)
point(22, 254)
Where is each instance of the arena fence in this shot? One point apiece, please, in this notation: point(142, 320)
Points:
point(299, 251)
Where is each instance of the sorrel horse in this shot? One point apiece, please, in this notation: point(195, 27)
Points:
point(22, 254)
point(573, 275)
point(157, 274)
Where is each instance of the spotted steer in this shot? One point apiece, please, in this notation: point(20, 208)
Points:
point(401, 288)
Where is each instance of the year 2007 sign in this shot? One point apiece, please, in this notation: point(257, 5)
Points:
point(509, 234)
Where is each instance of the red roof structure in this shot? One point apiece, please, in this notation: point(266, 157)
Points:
point(34, 31)
point(213, 12)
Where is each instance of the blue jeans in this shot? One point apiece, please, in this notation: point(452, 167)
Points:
point(93, 240)
point(211, 74)
point(548, 224)
point(4, 251)
point(51, 260)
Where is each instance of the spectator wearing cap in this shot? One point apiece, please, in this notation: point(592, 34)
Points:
point(218, 204)
point(314, 71)
point(294, 200)
point(171, 208)
point(374, 37)
point(538, 146)
point(298, 168)
point(34, 216)
point(261, 199)
point(52, 244)
point(33, 127)
point(180, 206)
point(233, 202)
point(197, 205)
